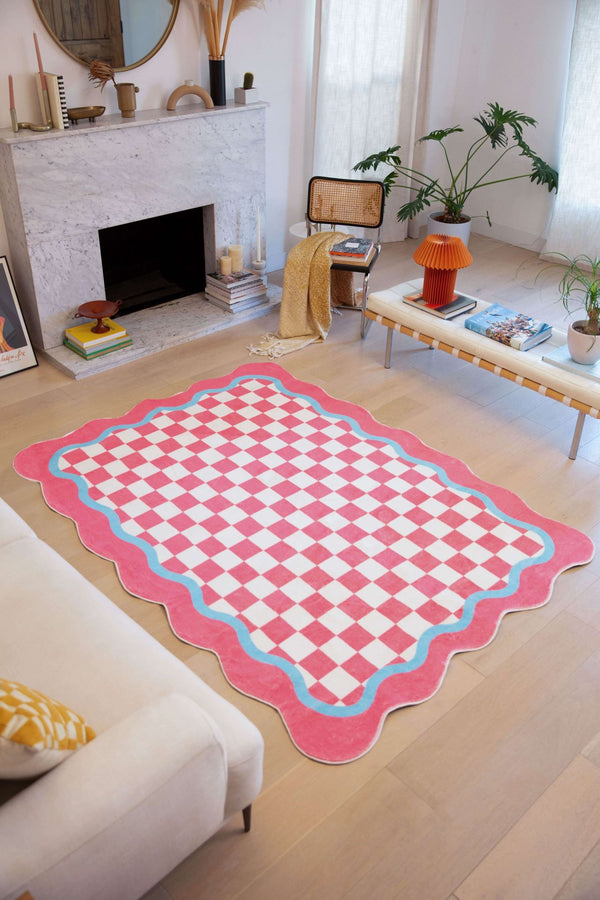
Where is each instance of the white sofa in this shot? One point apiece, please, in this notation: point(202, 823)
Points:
point(172, 760)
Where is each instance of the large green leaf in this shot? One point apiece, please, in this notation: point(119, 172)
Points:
point(541, 171)
point(440, 133)
point(384, 157)
point(418, 203)
point(496, 118)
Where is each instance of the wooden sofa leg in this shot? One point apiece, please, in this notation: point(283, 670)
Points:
point(247, 814)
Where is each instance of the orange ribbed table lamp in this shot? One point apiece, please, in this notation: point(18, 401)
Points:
point(442, 256)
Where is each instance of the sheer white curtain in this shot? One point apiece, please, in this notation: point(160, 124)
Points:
point(369, 81)
point(575, 224)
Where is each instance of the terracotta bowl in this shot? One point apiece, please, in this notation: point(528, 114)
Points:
point(98, 309)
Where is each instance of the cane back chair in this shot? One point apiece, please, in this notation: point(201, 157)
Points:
point(352, 203)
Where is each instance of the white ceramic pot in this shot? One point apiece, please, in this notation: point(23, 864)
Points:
point(584, 348)
point(456, 229)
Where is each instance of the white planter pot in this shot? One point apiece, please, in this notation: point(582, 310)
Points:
point(584, 348)
point(245, 95)
point(456, 229)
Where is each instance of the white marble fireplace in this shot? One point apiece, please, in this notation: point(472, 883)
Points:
point(59, 188)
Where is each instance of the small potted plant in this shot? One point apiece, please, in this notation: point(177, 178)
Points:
point(247, 93)
point(579, 289)
point(502, 131)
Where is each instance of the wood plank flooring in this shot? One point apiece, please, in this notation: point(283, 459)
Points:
point(491, 789)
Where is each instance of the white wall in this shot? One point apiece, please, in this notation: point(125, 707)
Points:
point(512, 51)
point(276, 45)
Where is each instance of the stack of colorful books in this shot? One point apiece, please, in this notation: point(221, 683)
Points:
point(83, 341)
point(236, 292)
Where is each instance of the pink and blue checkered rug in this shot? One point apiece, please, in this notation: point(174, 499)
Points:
point(332, 563)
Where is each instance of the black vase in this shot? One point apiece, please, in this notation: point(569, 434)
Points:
point(216, 68)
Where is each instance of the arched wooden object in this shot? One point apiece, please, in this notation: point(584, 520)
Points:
point(184, 89)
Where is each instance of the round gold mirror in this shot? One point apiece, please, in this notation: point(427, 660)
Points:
point(124, 33)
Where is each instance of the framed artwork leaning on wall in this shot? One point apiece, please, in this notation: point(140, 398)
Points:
point(16, 352)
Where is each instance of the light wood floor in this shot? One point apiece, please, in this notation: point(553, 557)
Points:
point(491, 789)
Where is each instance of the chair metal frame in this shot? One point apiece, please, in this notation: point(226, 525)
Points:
point(350, 203)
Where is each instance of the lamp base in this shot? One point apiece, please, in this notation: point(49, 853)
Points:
point(438, 286)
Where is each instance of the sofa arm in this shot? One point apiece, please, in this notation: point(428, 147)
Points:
point(121, 812)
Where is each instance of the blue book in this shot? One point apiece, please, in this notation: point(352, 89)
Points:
point(508, 327)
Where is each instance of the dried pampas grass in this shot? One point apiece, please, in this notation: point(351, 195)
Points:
point(212, 37)
point(213, 21)
point(100, 73)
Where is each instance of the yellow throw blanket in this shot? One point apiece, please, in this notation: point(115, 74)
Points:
point(308, 291)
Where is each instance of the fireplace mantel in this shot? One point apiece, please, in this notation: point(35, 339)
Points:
point(59, 188)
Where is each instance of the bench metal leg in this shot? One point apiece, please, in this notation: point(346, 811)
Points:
point(388, 348)
point(365, 323)
point(577, 435)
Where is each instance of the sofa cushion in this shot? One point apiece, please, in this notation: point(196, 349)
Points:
point(36, 732)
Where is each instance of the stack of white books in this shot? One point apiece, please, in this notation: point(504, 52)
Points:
point(236, 292)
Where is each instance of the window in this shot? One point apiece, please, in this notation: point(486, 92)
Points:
point(369, 65)
point(575, 224)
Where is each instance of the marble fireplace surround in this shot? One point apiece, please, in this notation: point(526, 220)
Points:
point(59, 188)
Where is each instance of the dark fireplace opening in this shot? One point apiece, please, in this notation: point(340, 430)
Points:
point(154, 260)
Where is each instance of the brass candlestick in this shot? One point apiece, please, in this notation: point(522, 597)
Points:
point(19, 126)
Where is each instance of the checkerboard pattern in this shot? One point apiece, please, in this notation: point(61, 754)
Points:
point(333, 564)
point(334, 549)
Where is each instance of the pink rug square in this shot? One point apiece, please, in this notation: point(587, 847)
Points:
point(332, 563)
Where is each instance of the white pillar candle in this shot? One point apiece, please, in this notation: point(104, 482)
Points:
point(258, 256)
point(236, 253)
point(225, 265)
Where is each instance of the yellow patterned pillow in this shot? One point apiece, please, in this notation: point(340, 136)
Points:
point(36, 732)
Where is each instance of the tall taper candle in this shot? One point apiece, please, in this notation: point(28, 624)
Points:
point(13, 109)
point(258, 235)
point(39, 59)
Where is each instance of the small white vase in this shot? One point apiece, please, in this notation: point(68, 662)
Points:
point(455, 229)
point(583, 348)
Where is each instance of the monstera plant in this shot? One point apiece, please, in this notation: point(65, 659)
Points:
point(502, 133)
